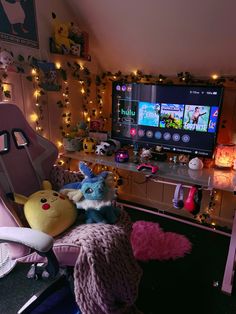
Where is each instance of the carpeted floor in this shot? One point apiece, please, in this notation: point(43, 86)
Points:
point(190, 284)
point(186, 285)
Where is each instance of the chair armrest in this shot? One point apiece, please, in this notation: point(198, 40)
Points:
point(34, 239)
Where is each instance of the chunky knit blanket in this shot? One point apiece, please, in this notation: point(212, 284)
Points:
point(106, 274)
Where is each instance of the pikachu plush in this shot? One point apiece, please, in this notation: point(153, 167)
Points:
point(47, 210)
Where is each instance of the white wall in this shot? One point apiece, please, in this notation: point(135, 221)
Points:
point(22, 92)
point(162, 36)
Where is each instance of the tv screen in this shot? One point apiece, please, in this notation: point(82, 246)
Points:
point(181, 119)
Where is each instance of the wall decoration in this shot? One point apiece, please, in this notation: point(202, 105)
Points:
point(68, 39)
point(6, 60)
point(96, 125)
point(48, 76)
point(6, 92)
point(18, 22)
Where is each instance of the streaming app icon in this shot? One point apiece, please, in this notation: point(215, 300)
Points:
point(185, 138)
point(149, 133)
point(133, 132)
point(158, 135)
point(118, 87)
point(176, 137)
point(167, 136)
point(141, 133)
point(123, 88)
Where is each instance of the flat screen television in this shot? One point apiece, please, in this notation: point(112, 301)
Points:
point(180, 118)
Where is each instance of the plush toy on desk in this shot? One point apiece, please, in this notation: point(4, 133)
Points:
point(95, 194)
point(47, 210)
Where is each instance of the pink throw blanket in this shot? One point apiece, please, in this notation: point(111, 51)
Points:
point(106, 274)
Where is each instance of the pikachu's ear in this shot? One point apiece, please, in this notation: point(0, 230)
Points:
point(20, 199)
point(47, 185)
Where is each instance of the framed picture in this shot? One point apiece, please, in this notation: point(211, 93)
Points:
point(48, 76)
point(18, 22)
point(6, 94)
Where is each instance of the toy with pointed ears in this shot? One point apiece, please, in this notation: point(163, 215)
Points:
point(95, 194)
point(47, 210)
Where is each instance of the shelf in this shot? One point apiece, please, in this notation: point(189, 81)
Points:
point(209, 178)
point(82, 53)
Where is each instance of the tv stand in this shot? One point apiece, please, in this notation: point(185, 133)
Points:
point(223, 180)
point(211, 178)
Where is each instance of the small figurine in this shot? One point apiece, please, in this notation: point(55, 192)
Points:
point(183, 159)
point(145, 154)
point(195, 164)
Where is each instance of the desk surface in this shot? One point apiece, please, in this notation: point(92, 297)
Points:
point(212, 178)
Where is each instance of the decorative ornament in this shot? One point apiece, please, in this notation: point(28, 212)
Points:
point(6, 59)
point(195, 164)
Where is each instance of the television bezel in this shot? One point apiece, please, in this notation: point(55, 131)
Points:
point(125, 142)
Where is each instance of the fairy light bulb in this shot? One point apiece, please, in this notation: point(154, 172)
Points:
point(33, 117)
point(33, 72)
point(82, 91)
point(36, 93)
point(214, 76)
point(58, 65)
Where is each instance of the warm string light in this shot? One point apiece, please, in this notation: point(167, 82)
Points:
point(66, 114)
point(205, 217)
point(37, 116)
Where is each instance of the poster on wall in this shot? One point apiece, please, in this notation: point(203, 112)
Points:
point(18, 22)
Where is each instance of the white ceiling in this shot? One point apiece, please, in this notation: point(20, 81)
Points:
point(161, 36)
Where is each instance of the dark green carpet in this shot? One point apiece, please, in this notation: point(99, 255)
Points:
point(182, 286)
point(186, 285)
point(16, 289)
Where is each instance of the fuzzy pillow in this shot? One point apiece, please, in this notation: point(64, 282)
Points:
point(150, 242)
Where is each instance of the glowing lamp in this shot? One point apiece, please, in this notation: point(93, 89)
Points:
point(224, 155)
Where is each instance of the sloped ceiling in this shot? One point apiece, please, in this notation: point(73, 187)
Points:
point(161, 36)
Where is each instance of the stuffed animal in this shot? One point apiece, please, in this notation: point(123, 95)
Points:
point(61, 36)
point(146, 154)
point(89, 145)
point(48, 210)
point(6, 59)
point(94, 194)
point(107, 148)
point(195, 164)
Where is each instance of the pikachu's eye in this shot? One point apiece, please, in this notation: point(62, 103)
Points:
point(43, 200)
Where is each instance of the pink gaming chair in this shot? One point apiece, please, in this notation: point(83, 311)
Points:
point(26, 159)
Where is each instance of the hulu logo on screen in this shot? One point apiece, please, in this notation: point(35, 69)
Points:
point(128, 112)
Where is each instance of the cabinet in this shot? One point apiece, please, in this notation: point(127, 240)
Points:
point(157, 191)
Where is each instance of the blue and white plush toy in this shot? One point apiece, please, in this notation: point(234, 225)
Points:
point(94, 194)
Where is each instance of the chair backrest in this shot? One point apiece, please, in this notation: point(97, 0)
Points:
point(26, 158)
